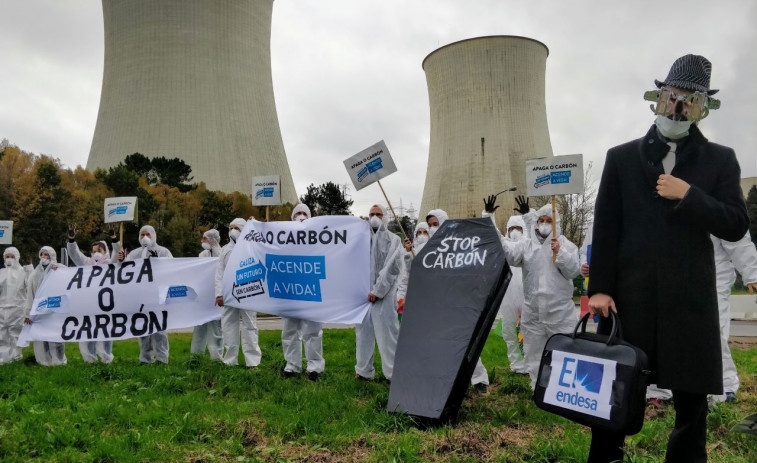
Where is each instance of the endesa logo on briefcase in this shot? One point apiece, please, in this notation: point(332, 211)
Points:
point(581, 383)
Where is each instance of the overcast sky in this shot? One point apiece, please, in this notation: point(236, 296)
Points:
point(347, 73)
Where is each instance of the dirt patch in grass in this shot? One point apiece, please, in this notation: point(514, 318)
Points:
point(742, 342)
point(471, 441)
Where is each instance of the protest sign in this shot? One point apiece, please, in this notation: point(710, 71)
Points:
point(315, 270)
point(130, 300)
point(457, 282)
point(6, 232)
point(558, 175)
point(266, 190)
point(370, 165)
point(120, 209)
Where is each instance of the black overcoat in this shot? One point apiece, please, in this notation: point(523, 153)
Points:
point(654, 256)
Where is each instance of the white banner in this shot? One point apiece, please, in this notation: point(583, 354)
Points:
point(558, 175)
point(370, 165)
point(120, 209)
point(581, 383)
point(315, 270)
point(266, 190)
point(6, 232)
point(130, 300)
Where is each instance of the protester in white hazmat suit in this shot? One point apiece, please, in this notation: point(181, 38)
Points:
point(46, 353)
point(296, 332)
point(513, 302)
point(480, 379)
point(420, 238)
point(547, 286)
point(154, 346)
point(380, 325)
point(209, 334)
point(231, 316)
point(100, 256)
point(13, 290)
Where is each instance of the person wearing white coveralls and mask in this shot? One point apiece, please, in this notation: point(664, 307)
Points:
point(154, 346)
point(46, 353)
point(100, 256)
point(231, 316)
point(209, 334)
point(380, 325)
point(295, 332)
point(513, 302)
point(420, 238)
point(547, 286)
point(13, 289)
point(480, 379)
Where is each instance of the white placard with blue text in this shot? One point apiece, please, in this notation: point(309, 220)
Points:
point(558, 175)
point(6, 232)
point(266, 190)
point(315, 270)
point(370, 165)
point(120, 209)
point(581, 383)
point(122, 301)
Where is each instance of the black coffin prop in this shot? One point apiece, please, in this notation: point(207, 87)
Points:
point(456, 285)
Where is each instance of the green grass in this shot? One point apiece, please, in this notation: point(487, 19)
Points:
point(201, 411)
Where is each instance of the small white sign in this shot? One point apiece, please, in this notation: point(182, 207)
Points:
point(120, 209)
point(581, 383)
point(6, 231)
point(370, 165)
point(558, 175)
point(266, 190)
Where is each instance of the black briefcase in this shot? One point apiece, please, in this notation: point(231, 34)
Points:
point(595, 380)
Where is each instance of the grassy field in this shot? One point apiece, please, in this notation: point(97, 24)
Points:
point(195, 410)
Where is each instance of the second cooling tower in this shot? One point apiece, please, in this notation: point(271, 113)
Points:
point(191, 79)
point(488, 115)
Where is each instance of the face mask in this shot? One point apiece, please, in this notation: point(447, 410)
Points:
point(44, 262)
point(432, 230)
point(545, 229)
point(234, 234)
point(300, 218)
point(515, 235)
point(9, 262)
point(97, 256)
point(671, 129)
point(375, 222)
point(206, 246)
point(421, 239)
point(145, 241)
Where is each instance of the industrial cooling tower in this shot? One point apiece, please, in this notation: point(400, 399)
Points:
point(486, 98)
point(191, 79)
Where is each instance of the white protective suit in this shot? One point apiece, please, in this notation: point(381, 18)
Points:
point(91, 349)
point(512, 305)
point(548, 287)
point(380, 325)
point(209, 334)
point(295, 332)
point(154, 346)
point(407, 257)
point(13, 290)
point(231, 316)
point(46, 353)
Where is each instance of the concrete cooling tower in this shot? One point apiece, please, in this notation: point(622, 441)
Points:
point(486, 98)
point(191, 79)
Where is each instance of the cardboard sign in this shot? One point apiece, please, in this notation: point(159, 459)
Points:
point(6, 231)
point(120, 209)
point(266, 190)
point(558, 175)
point(370, 165)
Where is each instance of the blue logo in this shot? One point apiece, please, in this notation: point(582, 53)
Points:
point(177, 291)
point(2, 232)
point(250, 273)
point(120, 210)
point(266, 192)
point(369, 168)
point(561, 176)
point(541, 180)
point(582, 375)
point(52, 302)
point(295, 277)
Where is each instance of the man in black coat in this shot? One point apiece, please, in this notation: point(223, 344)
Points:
point(659, 199)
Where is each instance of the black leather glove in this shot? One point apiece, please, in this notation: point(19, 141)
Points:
point(112, 234)
point(489, 204)
point(521, 203)
point(153, 253)
point(71, 232)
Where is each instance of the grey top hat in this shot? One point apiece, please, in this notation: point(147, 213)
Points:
point(690, 72)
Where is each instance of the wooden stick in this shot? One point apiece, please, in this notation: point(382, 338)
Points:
point(267, 209)
point(395, 216)
point(121, 234)
point(554, 228)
